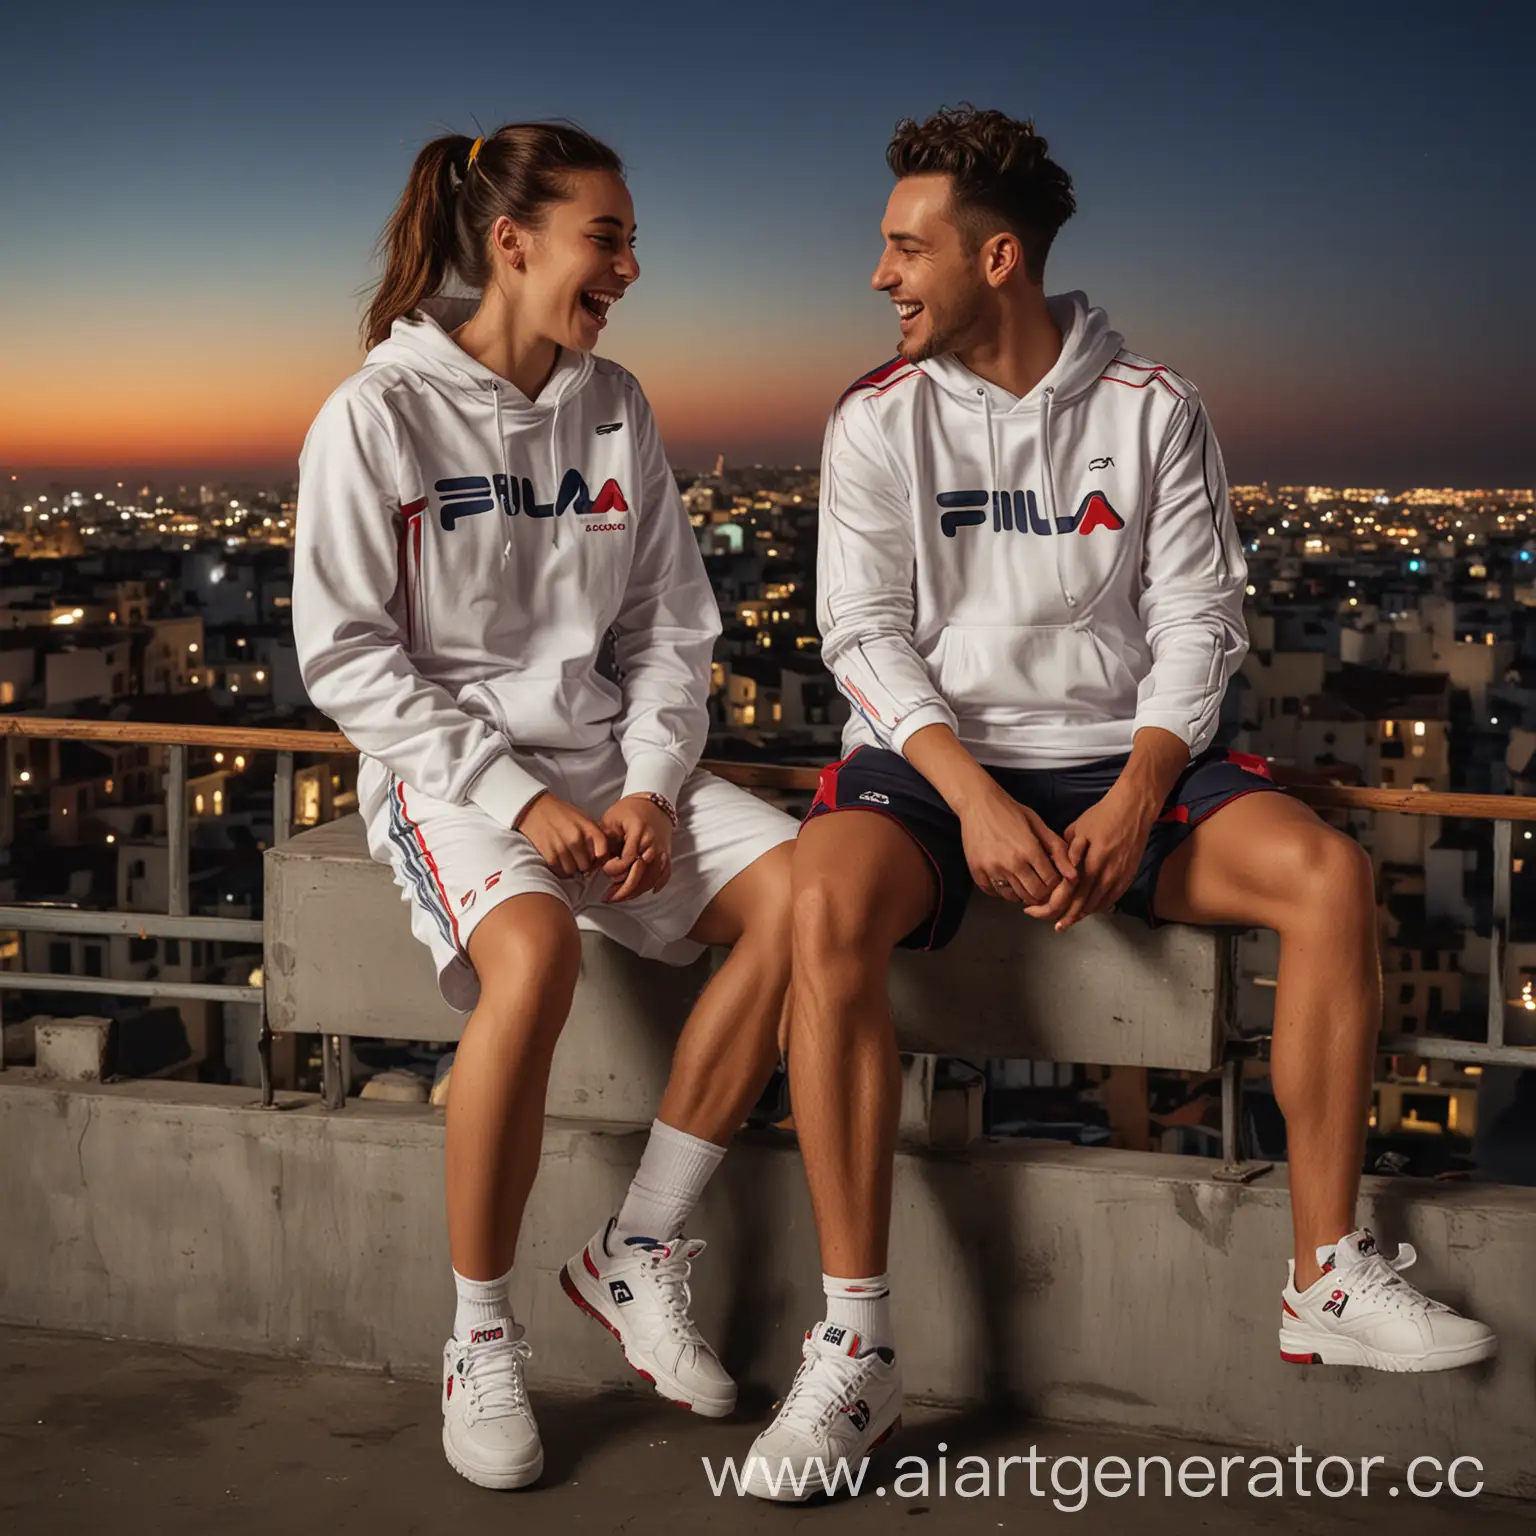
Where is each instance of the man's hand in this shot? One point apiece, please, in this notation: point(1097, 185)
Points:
point(1106, 843)
point(1012, 853)
point(568, 840)
point(642, 833)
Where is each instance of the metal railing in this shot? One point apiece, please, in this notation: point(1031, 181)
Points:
point(176, 923)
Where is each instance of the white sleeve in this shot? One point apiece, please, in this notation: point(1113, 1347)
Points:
point(1194, 578)
point(348, 608)
point(866, 564)
point(665, 632)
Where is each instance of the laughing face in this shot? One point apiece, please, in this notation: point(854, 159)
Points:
point(929, 271)
point(581, 260)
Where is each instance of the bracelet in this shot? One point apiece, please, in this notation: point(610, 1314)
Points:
point(667, 808)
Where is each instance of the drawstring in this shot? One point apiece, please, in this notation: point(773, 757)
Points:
point(1050, 489)
point(554, 468)
point(506, 472)
point(997, 491)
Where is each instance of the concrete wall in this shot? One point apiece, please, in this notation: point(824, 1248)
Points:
point(1095, 1286)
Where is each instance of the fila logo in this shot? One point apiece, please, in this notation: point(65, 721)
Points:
point(468, 495)
point(609, 426)
point(486, 1335)
point(1019, 511)
point(620, 1292)
point(875, 798)
point(1336, 1303)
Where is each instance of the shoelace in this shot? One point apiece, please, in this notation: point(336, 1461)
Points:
point(1379, 1279)
point(670, 1275)
point(494, 1375)
point(820, 1388)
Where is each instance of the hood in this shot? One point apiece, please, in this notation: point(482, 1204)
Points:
point(421, 342)
point(1087, 346)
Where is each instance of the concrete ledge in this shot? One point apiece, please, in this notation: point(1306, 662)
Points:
point(1092, 1286)
point(340, 957)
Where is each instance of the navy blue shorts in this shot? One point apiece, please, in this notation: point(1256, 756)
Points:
point(871, 779)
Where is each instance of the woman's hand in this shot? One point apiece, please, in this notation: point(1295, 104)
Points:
point(642, 832)
point(568, 840)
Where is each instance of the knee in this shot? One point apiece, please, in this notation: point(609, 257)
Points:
point(835, 926)
point(768, 929)
point(528, 958)
point(1331, 879)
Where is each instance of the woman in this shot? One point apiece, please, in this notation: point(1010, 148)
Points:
point(483, 506)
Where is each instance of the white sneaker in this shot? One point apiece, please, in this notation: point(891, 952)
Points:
point(1362, 1312)
point(489, 1435)
point(638, 1290)
point(842, 1404)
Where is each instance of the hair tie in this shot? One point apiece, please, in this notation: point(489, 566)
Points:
point(474, 150)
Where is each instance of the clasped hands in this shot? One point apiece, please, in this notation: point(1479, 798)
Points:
point(630, 843)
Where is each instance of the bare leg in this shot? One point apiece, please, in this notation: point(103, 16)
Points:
point(860, 885)
point(527, 954)
point(730, 1042)
point(1267, 861)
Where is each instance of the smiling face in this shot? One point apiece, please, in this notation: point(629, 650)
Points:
point(936, 281)
point(577, 263)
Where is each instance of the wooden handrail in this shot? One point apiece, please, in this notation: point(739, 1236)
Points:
point(1331, 797)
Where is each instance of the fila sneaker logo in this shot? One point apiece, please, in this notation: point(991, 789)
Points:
point(875, 797)
point(609, 426)
point(1019, 512)
point(1336, 1303)
point(486, 1335)
point(620, 1292)
point(858, 1413)
point(835, 1335)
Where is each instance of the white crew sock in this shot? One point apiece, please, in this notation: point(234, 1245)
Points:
point(480, 1302)
point(862, 1305)
point(667, 1186)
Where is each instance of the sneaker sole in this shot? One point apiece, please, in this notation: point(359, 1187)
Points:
point(1299, 1349)
point(502, 1481)
point(791, 1497)
point(669, 1388)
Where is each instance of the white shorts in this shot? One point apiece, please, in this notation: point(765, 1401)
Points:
point(454, 864)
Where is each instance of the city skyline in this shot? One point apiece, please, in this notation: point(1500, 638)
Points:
point(1309, 217)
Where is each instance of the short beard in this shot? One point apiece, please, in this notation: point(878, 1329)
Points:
point(951, 331)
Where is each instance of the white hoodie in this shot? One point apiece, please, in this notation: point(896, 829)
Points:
point(463, 552)
point(1044, 575)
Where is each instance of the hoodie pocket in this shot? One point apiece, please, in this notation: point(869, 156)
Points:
point(567, 709)
point(1006, 675)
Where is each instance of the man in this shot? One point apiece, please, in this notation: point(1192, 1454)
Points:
point(1031, 593)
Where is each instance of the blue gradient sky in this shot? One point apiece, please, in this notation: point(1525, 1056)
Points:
point(1327, 223)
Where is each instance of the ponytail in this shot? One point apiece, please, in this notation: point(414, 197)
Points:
point(420, 242)
point(445, 215)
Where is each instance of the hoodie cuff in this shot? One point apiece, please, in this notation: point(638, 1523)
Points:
point(926, 715)
point(504, 791)
point(655, 773)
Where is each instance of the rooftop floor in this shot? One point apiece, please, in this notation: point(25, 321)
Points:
point(108, 1435)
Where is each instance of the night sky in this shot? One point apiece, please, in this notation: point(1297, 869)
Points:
point(1327, 224)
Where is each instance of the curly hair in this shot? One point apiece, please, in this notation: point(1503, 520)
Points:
point(1000, 173)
